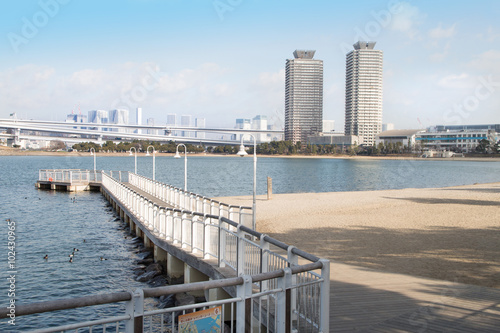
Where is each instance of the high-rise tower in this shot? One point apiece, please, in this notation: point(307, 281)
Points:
point(303, 96)
point(363, 91)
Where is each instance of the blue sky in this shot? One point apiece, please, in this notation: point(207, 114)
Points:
point(225, 59)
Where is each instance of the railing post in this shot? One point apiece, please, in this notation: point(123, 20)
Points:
point(135, 309)
point(283, 302)
point(324, 320)
point(243, 307)
point(293, 260)
point(240, 257)
point(264, 260)
point(222, 244)
point(71, 177)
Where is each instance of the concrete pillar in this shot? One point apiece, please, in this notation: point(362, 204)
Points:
point(175, 270)
point(161, 257)
point(132, 226)
point(219, 294)
point(193, 275)
point(147, 242)
point(138, 231)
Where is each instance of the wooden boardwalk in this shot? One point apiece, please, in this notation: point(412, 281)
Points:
point(366, 300)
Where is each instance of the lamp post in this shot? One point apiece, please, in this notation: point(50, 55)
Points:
point(147, 154)
point(135, 159)
point(242, 153)
point(185, 162)
point(93, 153)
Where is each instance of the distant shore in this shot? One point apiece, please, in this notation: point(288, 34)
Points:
point(447, 233)
point(6, 151)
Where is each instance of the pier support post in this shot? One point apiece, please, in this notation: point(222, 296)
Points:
point(193, 275)
point(218, 294)
point(161, 257)
point(175, 270)
point(147, 242)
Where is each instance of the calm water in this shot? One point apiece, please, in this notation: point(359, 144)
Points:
point(51, 223)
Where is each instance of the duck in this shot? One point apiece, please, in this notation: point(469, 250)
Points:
point(71, 255)
point(102, 258)
point(75, 250)
point(71, 259)
point(46, 257)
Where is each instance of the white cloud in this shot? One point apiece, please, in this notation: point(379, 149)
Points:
point(454, 81)
point(407, 20)
point(487, 63)
point(439, 32)
point(490, 35)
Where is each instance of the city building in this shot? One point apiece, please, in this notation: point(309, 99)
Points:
point(363, 92)
point(186, 122)
point(406, 138)
point(328, 126)
point(118, 117)
point(303, 96)
point(76, 118)
point(138, 119)
point(260, 123)
point(200, 123)
point(241, 124)
point(98, 117)
point(337, 139)
point(461, 141)
point(172, 122)
point(151, 122)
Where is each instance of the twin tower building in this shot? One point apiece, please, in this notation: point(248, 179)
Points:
point(363, 94)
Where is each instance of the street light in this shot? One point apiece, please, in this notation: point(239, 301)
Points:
point(147, 154)
point(135, 165)
point(185, 162)
point(94, 154)
point(242, 153)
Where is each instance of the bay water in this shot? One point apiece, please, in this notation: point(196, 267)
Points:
point(54, 223)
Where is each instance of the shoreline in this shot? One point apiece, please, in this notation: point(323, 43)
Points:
point(14, 152)
point(448, 233)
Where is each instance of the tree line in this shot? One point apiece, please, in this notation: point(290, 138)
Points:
point(275, 148)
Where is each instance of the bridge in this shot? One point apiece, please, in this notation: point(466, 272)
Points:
point(254, 282)
point(18, 129)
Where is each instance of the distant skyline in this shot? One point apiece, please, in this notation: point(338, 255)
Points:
point(222, 60)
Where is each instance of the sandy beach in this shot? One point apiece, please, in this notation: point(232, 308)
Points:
point(444, 233)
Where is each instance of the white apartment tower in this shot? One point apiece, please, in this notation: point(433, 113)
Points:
point(363, 92)
point(303, 96)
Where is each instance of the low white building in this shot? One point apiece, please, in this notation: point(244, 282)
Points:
point(407, 138)
point(460, 141)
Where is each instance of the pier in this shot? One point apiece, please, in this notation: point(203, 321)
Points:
point(255, 281)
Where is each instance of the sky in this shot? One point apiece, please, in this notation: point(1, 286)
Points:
point(225, 59)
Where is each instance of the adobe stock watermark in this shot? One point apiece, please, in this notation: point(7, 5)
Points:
point(487, 86)
point(129, 99)
point(224, 6)
point(372, 29)
point(32, 26)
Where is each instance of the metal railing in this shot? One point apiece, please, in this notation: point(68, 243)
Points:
point(181, 199)
point(273, 292)
point(266, 311)
point(69, 175)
